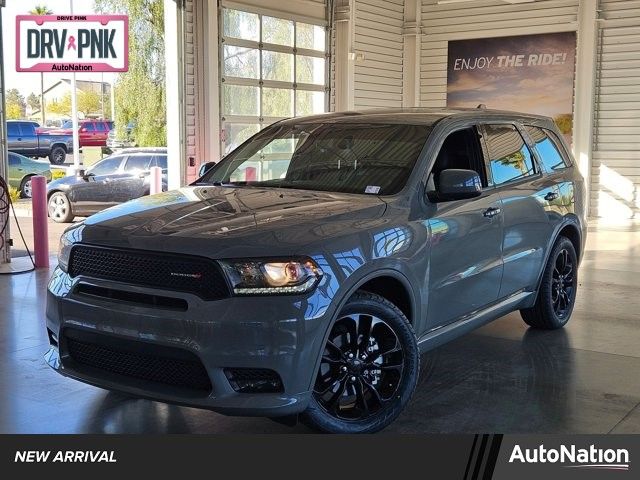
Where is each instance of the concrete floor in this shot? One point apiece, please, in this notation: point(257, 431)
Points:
point(501, 378)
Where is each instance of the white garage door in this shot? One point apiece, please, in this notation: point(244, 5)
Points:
point(615, 188)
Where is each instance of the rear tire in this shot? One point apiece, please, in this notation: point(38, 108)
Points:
point(59, 208)
point(557, 292)
point(57, 155)
point(369, 368)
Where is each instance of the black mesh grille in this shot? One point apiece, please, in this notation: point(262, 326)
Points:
point(164, 365)
point(172, 272)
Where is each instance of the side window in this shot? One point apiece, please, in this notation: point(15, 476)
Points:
point(100, 127)
point(107, 166)
point(159, 161)
point(27, 129)
point(547, 148)
point(509, 155)
point(137, 163)
point(461, 149)
point(14, 160)
point(89, 127)
point(12, 129)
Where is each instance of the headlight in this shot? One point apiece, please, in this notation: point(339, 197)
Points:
point(272, 277)
point(67, 239)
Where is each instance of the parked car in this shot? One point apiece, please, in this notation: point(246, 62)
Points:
point(306, 272)
point(115, 179)
point(125, 139)
point(91, 133)
point(21, 169)
point(23, 139)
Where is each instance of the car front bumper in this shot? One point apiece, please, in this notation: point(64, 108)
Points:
point(284, 334)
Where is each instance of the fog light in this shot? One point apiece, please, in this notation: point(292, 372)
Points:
point(254, 380)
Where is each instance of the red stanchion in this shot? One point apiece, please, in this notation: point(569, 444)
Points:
point(40, 225)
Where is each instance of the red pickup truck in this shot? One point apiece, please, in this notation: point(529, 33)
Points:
point(93, 133)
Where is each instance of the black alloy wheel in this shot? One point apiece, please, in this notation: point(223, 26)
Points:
point(557, 291)
point(368, 369)
point(562, 290)
point(360, 369)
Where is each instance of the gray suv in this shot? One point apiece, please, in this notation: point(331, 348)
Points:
point(305, 273)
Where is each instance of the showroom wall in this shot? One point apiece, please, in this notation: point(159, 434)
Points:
point(615, 169)
point(480, 19)
point(393, 53)
point(378, 44)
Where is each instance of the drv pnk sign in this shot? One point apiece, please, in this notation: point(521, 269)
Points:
point(72, 43)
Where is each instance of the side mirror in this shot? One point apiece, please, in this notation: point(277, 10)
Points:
point(205, 167)
point(82, 173)
point(458, 184)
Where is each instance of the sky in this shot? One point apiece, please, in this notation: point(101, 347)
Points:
point(542, 89)
point(27, 82)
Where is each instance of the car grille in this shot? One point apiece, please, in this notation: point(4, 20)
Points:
point(137, 360)
point(183, 273)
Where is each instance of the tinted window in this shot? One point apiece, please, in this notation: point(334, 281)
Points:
point(14, 159)
point(137, 163)
point(159, 161)
point(12, 129)
point(370, 158)
point(547, 148)
point(107, 166)
point(89, 127)
point(509, 156)
point(100, 127)
point(27, 129)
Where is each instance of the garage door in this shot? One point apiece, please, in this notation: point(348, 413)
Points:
point(616, 149)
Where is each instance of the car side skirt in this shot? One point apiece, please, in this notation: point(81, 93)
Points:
point(466, 324)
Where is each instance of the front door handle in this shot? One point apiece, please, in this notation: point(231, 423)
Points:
point(551, 196)
point(491, 212)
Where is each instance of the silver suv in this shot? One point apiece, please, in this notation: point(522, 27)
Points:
point(305, 273)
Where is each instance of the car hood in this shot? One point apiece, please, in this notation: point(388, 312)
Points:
point(224, 222)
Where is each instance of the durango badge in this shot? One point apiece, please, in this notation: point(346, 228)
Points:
point(83, 43)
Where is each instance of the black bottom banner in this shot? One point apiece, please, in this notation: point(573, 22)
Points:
point(464, 457)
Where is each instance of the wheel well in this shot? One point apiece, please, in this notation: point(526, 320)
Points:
point(572, 233)
point(393, 290)
point(62, 145)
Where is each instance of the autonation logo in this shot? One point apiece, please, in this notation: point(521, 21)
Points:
point(573, 457)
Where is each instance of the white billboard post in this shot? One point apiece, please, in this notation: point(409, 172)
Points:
point(72, 43)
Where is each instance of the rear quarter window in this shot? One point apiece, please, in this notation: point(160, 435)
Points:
point(547, 148)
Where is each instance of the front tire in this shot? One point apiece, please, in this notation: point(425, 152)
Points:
point(368, 371)
point(59, 208)
point(557, 292)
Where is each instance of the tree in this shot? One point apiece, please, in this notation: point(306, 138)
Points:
point(33, 101)
point(40, 10)
point(15, 103)
point(140, 92)
point(88, 102)
point(60, 107)
point(13, 112)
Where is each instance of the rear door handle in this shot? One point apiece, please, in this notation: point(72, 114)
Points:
point(491, 212)
point(551, 196)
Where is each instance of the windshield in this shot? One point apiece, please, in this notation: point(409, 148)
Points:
point(364, 158)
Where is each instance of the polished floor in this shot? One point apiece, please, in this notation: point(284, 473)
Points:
point(501, 378)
